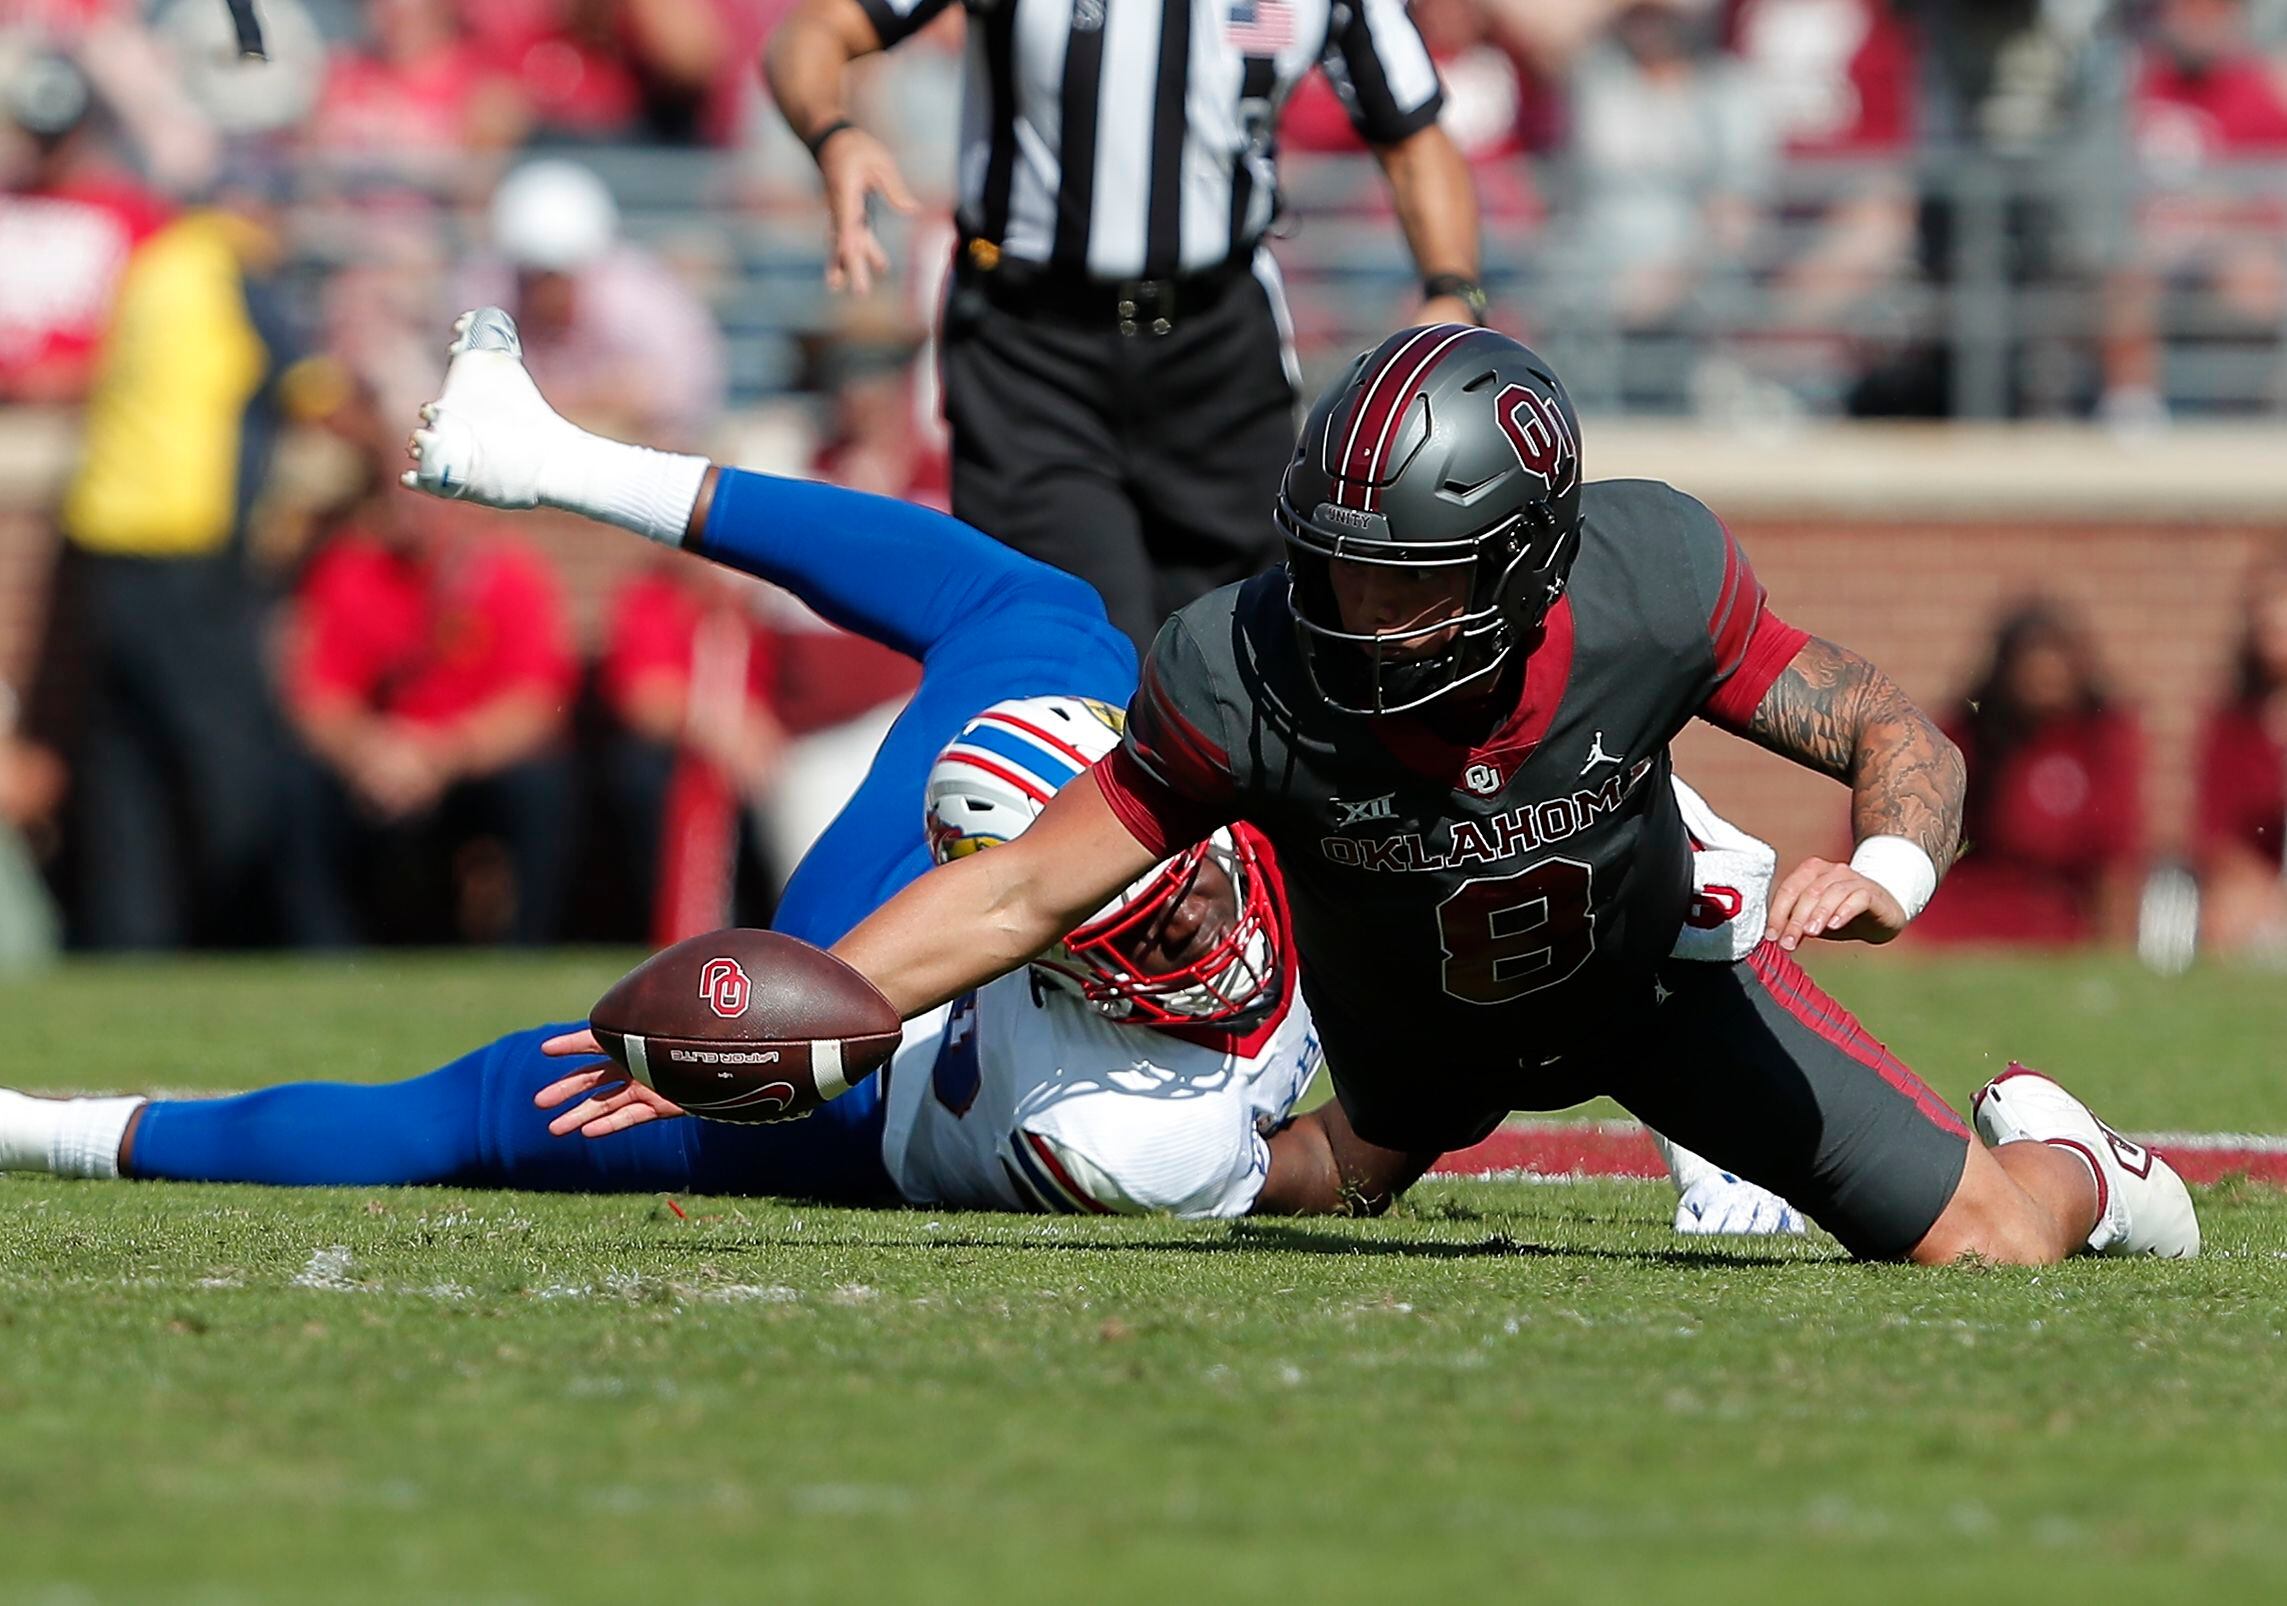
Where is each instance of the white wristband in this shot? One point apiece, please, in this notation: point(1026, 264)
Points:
point(1899, 867)
point(652, 493)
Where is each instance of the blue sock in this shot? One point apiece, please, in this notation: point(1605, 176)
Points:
point(473, 1124)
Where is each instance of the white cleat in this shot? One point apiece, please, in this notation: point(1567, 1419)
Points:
point(1721, 1203)
point(490, 437)
point(2142, 1206)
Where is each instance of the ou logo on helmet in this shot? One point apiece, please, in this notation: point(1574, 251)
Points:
point(726, 988)
point(1542, 438)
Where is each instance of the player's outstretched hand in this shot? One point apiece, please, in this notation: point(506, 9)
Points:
point(1824, 899)
point(601, 1113)
point(856, 167)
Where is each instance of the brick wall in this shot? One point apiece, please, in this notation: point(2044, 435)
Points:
point(1921, 598)
point(1918, 594)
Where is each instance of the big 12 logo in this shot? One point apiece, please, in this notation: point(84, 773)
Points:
point(724, 984)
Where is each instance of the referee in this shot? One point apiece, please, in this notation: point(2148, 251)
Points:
point(1118, 368)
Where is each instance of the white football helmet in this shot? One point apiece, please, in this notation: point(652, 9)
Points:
point(991, 782)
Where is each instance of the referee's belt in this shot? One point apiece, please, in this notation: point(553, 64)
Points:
point(1131, 306)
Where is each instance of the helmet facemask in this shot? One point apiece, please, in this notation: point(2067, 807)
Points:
point(991, 782)
point(1233, 978)
point(1516, 573)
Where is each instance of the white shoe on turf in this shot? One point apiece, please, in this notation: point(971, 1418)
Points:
point(490, 437)
point(2142, 1206)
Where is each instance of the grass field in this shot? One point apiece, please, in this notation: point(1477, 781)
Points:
point(1504, 1391)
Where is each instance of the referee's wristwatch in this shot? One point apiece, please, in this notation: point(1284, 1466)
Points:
point(1461, 288)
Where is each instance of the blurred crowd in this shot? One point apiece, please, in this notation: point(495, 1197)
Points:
point(371, 717)
point(281, 701)
point(1884, 207)
point(2058, 853)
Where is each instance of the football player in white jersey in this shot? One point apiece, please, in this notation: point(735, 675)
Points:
point(1139, 1065)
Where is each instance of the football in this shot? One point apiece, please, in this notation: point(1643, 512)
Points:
point(746, 1026)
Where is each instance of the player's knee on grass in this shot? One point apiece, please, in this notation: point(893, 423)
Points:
point(1993, 1217)
point(1787, 1090)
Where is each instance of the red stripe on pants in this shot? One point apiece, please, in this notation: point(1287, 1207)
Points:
point(1802, 998)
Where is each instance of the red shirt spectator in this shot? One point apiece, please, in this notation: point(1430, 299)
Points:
point(63, 247)
point(2203, 92)
point(428, 637)
point(2243, 785)
point(654, 638)
point(420, 90)
point(372, 104)
point(606, 67)
point(2057, 816)
point(734, 99)
point(2053, 819)
point(690, 669)
point(562, 55)
point(2242, 810)
point(1840, 73)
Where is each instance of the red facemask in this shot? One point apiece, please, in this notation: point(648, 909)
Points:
point(1227, 981)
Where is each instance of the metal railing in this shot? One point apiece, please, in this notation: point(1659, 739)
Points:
point(1989, 297)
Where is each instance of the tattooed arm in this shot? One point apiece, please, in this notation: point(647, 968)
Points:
point(1832, 711)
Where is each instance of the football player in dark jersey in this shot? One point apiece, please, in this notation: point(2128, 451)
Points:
point(1450, 712)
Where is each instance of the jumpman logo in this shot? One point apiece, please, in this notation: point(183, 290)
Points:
point(1597, 755)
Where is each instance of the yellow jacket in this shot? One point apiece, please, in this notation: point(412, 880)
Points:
point(166, 433)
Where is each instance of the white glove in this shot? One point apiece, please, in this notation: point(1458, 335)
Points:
point(1723, 1203)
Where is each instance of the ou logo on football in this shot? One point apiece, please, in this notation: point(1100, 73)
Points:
point(725, 987)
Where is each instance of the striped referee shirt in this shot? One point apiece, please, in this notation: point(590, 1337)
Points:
point(1136, 138)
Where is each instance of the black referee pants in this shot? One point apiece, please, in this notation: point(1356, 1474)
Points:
point(175, 762)
point(1145, 464)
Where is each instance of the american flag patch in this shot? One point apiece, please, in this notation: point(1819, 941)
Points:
point(1259, 27)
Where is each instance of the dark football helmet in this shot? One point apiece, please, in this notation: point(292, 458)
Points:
point(1445, 447)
